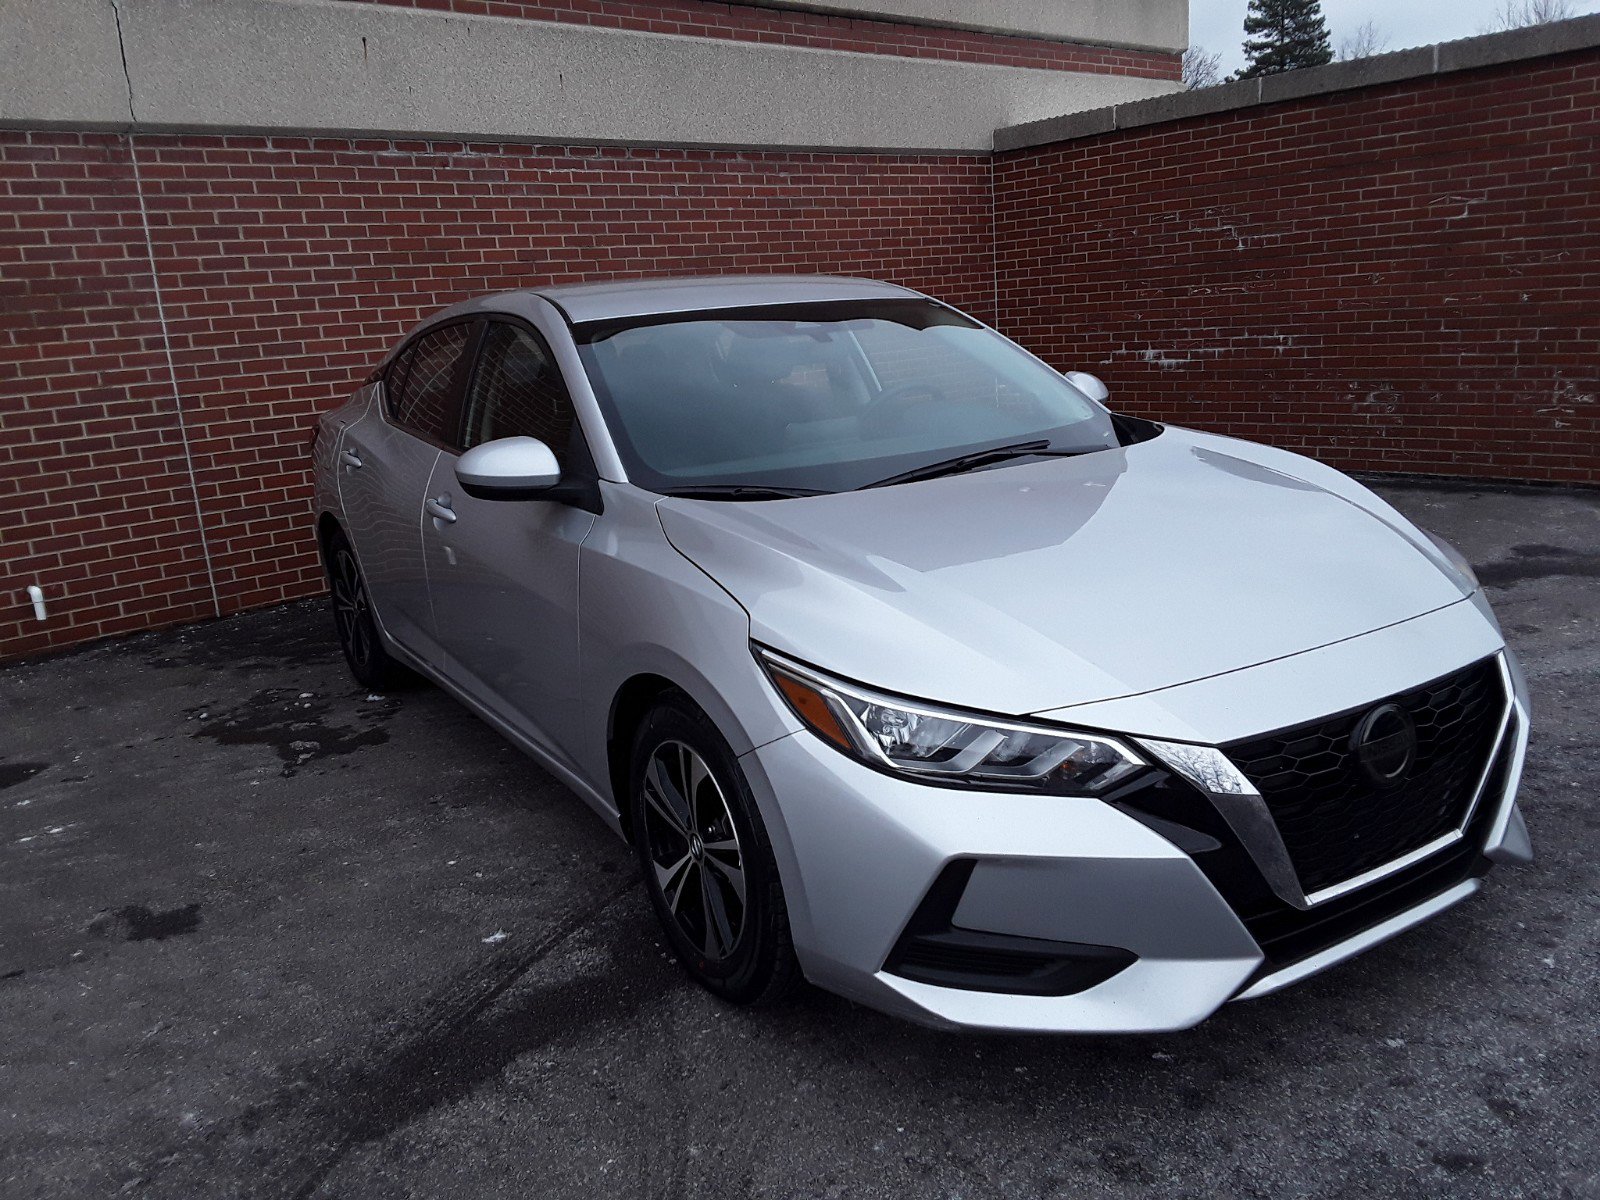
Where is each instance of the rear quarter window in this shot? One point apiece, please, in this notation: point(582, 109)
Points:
point(394, 379)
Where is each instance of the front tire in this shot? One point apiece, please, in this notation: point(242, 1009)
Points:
point(707, 861)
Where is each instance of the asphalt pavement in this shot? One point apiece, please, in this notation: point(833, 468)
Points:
point(264, 934)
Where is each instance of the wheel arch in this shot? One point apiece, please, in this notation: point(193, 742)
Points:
point(631, 703)
point(327, 526)
point(629, 706)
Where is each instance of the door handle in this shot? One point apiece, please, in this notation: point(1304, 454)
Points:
point(350, 458)
point(439, 509)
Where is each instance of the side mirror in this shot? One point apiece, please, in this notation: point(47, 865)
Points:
point(513, 468)
point(1091, 386)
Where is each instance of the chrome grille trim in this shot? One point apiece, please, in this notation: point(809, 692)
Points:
point(1247, 814)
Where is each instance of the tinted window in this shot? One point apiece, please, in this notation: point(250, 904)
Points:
point(947, 363)
point(822, 396)
point(394, 382)
point(518, 392)
point(425, 400)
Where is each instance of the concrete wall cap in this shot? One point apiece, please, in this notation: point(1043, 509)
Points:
point(1161, 25)
point(1492, 49)
point(1360, 72)
point(331, 68)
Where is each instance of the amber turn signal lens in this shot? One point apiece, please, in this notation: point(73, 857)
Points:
point(813, 709)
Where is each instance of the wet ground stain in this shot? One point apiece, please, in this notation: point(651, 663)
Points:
point(136, 923)
point(294, 725)
point(296, 634)
point(1540, 550)
point(13, 773)
point(1538, 561)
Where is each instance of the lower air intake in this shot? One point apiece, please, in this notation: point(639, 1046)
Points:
point(932, 950)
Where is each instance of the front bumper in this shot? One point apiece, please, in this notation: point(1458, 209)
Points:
point(860, 850)
point(863, 849)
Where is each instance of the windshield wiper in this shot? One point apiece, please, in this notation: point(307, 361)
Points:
point(977, 458)
point(741, 491)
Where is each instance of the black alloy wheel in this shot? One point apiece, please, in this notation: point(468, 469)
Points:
point(363, 648)
point(707, 861)
point(694, 849)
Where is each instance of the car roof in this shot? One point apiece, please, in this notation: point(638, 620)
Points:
point(649, 297)
point(582, 302)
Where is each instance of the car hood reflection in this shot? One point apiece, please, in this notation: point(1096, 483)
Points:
point(1055, 582)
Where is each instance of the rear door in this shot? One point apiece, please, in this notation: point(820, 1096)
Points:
point(384, 463)
point(504, 573)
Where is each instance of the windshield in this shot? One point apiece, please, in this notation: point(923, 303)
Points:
point(821, 397)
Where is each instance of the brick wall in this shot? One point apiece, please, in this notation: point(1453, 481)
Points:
point(1401, 278)
point(92, 470)
point(821, 31)
point(287, 266)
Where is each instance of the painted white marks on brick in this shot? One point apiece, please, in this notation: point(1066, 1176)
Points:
point(1243, 234)
point(1466, 203)
point(1565, 400)
point(1384, 398)
point(1172, 359)
point(1165, 359)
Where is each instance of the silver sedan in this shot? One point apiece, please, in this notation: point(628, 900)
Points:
point(907, 666)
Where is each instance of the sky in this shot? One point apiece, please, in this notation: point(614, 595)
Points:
point(1218, 25)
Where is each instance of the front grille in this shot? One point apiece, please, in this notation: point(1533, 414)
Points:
point(1286, 935)
point(1335, 823)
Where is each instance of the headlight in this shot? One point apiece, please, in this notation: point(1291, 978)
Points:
point(941, 745)
point(1456, 559)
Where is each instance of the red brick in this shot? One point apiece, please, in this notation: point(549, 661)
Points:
point(1345, 276)
point(255, 367)
point(1415, 291)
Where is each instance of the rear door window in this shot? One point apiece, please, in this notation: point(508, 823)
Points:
point(429, 378)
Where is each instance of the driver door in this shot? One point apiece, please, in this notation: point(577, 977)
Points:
point(503, 574)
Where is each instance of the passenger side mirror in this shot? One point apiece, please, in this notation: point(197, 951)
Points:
point(1091, 386)
point(513, 468)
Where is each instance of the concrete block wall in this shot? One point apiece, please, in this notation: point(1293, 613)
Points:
point(1110, 38)
point(1159, 24)
point(686, 72)
point(1396, 271)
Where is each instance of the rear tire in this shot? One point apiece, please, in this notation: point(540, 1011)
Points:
point(707, 861)
point(369, 660)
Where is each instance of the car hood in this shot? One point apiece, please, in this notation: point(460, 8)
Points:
point(1053, 582)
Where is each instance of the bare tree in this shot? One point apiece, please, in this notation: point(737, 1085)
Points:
point(1363, 43)
point(1201, 69)
point(1516, 14)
